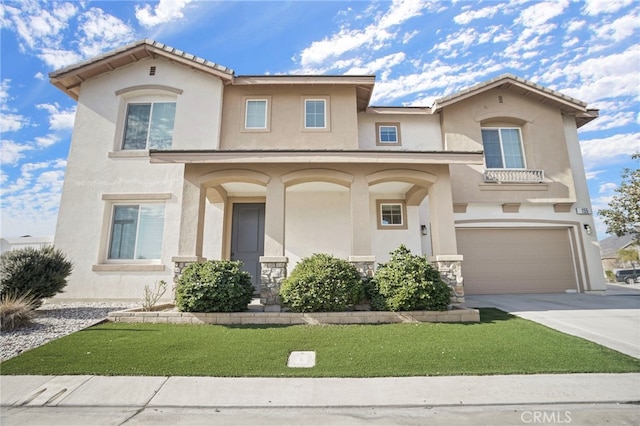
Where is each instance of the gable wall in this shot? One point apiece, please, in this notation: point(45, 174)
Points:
point(543, 138)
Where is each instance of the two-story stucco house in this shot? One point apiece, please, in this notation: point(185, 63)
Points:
point(175, 159)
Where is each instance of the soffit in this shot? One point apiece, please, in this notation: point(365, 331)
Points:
point(315, 157)
point(70, 78)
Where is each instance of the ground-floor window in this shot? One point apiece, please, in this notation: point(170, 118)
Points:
point(391, 214)
point(136, 231)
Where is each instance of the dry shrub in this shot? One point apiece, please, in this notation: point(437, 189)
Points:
point(16, 311)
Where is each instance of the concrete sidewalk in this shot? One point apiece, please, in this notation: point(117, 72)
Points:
point(611, 320)
point(40, 399)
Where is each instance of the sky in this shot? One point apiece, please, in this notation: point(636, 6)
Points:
point(419, 51)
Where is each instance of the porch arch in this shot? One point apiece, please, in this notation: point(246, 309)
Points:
point(421, 182)
point(213, 179)
point(317, 175)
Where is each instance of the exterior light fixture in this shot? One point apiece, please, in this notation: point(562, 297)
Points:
point(423, 229)
point(587, 228)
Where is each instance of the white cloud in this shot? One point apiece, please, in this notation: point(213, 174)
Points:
point(59, 120)
point(58, 58)
point(471, 15)
point(611, 120)
point(164, 11)
point(11, 122)
point(372, 36)
point(539, 14)
point(604, 77)
point(40, 76)
point(100, 31)
point(600, 152)
point(619, 29)
point(607, 187)
point(46, 141)
point(383, 63)
point(36, 26)
point(12, 152)
point(596, 7)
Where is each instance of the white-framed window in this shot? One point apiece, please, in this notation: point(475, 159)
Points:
point(136, 231)
point(503, 148)
point(256, 114)
point(149, 125)
point(387, 133)
point(391, 214)
point(315, 114)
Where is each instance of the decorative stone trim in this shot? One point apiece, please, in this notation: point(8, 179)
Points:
point(450, 268)
point(288, 318)
point(366, 265)
point(181, 262)
point(273, 270)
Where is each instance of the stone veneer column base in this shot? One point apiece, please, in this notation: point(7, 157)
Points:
point(273, 270)
point(450, 268)
point(181, 262)
point(366, 265)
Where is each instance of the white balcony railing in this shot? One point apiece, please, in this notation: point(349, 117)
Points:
point(513, 176)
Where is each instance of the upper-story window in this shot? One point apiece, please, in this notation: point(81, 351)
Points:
point(256, 114)
point(149, 125)
point(387, 133)
point(315, 113)
point(503, 148)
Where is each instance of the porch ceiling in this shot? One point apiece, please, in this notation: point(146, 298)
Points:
point(316, 156)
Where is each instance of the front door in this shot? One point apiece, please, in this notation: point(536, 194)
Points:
point(247, 238)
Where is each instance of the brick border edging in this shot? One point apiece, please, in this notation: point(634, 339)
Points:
point(288, 318)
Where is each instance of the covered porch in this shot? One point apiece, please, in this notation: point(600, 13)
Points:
point(270, 211)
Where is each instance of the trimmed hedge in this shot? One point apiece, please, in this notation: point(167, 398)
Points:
point(322, 283)
point(214, 286)
point(408, 283)
point(39, 273)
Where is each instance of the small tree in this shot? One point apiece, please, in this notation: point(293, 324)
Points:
point(623, 215)
point(40, 273)
point(629, 255)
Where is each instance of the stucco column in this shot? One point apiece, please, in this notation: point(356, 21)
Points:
point(274, 217)
point(191, 222)
point(443, 232)
point(360, 217)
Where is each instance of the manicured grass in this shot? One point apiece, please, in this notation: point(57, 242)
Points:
point(500, 344)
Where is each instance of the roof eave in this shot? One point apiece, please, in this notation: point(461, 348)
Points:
point(70, 78)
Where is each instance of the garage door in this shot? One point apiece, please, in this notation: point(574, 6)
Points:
point(516, 260)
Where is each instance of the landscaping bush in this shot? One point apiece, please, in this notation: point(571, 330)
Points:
point(322, 283)
point(40, 273)
point(16, 311)
point(214, 286)
point(408, 283)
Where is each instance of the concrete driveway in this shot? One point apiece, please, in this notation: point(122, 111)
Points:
point(612, 320)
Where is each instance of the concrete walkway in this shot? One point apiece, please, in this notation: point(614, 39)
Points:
point(611, 320)
point(72, 400)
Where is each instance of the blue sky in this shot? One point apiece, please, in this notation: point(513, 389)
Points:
point(419, 51)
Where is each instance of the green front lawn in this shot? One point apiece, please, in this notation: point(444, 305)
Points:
point(500, 344)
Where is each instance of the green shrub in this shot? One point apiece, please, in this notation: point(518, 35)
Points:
point(16, 311)
point(408, 283)
point(322, 283)
point(214, 286)
point(611, 277)
point(40, 273)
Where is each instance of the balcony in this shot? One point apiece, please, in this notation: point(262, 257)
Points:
point(513, 176)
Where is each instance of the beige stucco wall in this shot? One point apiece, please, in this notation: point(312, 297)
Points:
point(418, 132)
point(286, 127)
point(544, 142)
point(96, 167)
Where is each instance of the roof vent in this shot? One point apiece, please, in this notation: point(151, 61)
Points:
point(152, 70)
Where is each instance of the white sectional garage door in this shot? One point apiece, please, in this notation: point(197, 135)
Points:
point(502, 261)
